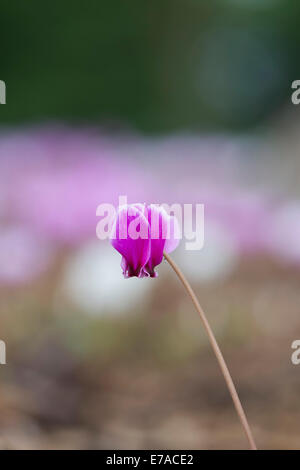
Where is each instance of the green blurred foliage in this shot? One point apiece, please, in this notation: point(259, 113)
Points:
point(154, 66)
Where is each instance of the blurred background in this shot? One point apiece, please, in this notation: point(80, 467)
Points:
point(164, 101)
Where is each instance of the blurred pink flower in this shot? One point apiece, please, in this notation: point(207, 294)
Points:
point(54, 179)
point(23, 255)
point(283, 235)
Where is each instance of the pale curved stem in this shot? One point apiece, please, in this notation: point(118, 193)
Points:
point(217, 351)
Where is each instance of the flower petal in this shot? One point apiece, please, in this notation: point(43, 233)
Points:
point(158, 221)
point(131, 238)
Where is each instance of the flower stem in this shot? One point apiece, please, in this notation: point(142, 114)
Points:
point(217, 351)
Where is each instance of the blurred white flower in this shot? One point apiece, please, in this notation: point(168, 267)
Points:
point(93, 281)
point(216, 260)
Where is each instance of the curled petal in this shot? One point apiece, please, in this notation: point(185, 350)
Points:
point(131, 238)
point(162, 232)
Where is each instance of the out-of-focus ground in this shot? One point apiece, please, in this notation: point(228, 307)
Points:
point(150, 380)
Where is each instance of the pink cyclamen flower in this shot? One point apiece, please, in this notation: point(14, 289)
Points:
point(141, 234)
